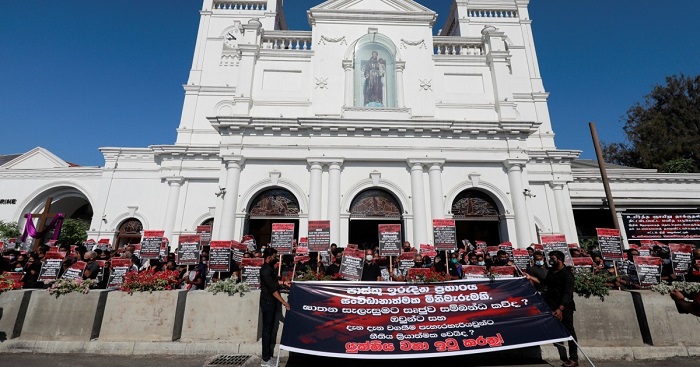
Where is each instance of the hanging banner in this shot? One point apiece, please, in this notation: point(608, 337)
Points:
point(119, 269)
point(51, 266)
point(352, 264)
point(370, 320)
point(250, 271)
point(75, 271)
point(389, 239)
point(282, 238)
point(444, 234)
point(219, 256)
point(521, 258)
point(557, 242)
point(662, 226)
point(610, 243)
point(648, 270)
point(188, 249)
point(319, 235)
point(150, 244)
point(681, 258)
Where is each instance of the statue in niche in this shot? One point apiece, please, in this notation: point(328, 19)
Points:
point(374, 71)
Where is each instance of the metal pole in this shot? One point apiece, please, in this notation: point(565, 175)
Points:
point(604, 175)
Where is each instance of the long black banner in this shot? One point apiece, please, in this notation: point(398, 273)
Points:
point(378, 320)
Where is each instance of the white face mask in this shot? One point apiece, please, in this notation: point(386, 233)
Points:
point(369, 257)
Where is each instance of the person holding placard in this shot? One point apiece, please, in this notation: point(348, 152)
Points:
point(370, 269)
point(270, 297)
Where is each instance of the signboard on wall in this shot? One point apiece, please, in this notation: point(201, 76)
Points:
point(662, 226)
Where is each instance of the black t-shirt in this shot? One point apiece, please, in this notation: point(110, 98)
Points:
point(94, 268)
point(332, 269)
point(268, 284)
point(370, 272)
point(560, 289)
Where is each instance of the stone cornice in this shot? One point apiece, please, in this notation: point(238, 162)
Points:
point(634, 176)
point(374, 17)
point(185, 151)
point(553, 156)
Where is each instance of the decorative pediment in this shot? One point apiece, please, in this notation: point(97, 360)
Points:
point(37, 158)
point(373, 5)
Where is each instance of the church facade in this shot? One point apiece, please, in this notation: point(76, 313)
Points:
point(366, 119)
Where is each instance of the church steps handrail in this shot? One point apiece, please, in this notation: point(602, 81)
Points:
point(260, 5)
point(451, 45)
point(287, 40)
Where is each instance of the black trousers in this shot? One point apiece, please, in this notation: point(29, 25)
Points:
point(568, 322)
point(268, 310)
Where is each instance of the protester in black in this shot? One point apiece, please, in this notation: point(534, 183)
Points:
point(560, 298)
point(92, 269)
point(270, 297)
point(370, 269)
point(334, 268)
point(538, 270)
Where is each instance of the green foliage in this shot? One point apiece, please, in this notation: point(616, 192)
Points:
point(587, 284)
point(663, 132)
point(685, 287)
point(9, 230)
point(590, 244)
point(73, 232)
point(229, 286)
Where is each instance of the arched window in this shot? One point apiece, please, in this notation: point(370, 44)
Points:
point(275, 203)
point(474, 204)
point(129, 232)
point(375, 72)
point(375, 203)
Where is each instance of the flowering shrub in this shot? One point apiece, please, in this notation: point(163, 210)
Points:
point(311, 275)
point(7, 284)
point(429, 277)
point(685, 287)
point(149, 281)
point(587, 284)
point(65, 286)
point(229, 286)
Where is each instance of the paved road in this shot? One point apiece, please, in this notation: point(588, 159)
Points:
point(67, 360)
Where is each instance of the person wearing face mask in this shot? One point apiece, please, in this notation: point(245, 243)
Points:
point(370, 269)
point(560, 298)
point(480, 260)
point(628, 271)
point(439, 265)
point(502, 259)
point(454, 267)
point(538, 270)
point(19, 263)
point(270, 298)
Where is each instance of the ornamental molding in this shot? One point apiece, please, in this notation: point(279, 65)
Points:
point(321, 83)
point(425, 84)
point(341, 40)
point(421, 44)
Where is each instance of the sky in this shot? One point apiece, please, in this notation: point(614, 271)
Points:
point(76, 75)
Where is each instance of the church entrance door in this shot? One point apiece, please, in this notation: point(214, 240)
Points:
point(368, 210)
point(275, 205)
point(477, 217)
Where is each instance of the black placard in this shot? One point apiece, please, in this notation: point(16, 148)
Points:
point(282, 238)
point(444, 234)
point(390, 239)
point(250, 271)
point(351, 265)
point(662, 226)
point(220, 256)
point(610, 243)
point(188, 250)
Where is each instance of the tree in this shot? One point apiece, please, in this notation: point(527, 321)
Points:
point(663, 132)
point(9, 230)
point(73, 232)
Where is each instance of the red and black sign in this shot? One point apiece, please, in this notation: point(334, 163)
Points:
point(319, 235)
point(250, 271)
point(51, 266)
point(681, 258)
point(75, 271)
point(662, 226)
point(204, 233)
point(390, 239)
point(119, 269)
point(352, 263)
point(220, 256)
point(444, 234)
point(188, 249)
point(557, 242)
point(368, 320)
point(282, 238)
point(238, 250)
point(648, 270)
point(521, 258)
point(151, 244)
point(584, 263)
point(610, 243)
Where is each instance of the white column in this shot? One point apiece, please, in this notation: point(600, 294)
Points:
point(522, 221)
point(420, 228)
point(334, 200)
point(315, 188)
point(436, 197)
point(228, 215)
point(349, 87)
point(400, 65)
point(175, 184)
point(560, 205)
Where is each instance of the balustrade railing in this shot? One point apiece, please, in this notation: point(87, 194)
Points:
point(448, 45)
point(284, 40)
point(492, 13)
point(240, 4)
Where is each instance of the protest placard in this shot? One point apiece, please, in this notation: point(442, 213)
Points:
point(282, 238)
point(204, 233)
point(319, 235)
point(249, 241)
point(503, 271)
point(188, 249)
point(352, 246)
point(681, 257)
point(492, 251)
point(250, 271)
point(521, 258)
point(351, 265)
point(444, 234)
point(150, 244)
point(101, 273)
point(474, 272)
point(219, 256)
point(302, 247)
point(238, 249)
point(501, 314)
point(583, 263)
point(648, 270)
point(14, 276)
point(75, 271)
point(508, 248)
point(644, 250)
point(302, 258)
point(119, 269)
point(557, 242)
point(428, 250)
point(104, 245)
point(417, 273)
point(610, 243)
point(538, 247)
point(406, 261)
point(325, 258)
point(51, 266)
point(481, 245)
point(389, 239)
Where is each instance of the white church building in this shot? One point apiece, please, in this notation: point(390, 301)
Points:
point(366, 119)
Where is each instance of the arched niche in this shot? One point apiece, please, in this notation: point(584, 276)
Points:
point(374, 76)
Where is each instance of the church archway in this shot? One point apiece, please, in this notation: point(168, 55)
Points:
point(477, 217)
point(368, 210)
point(129, 232)
point(273, 205)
